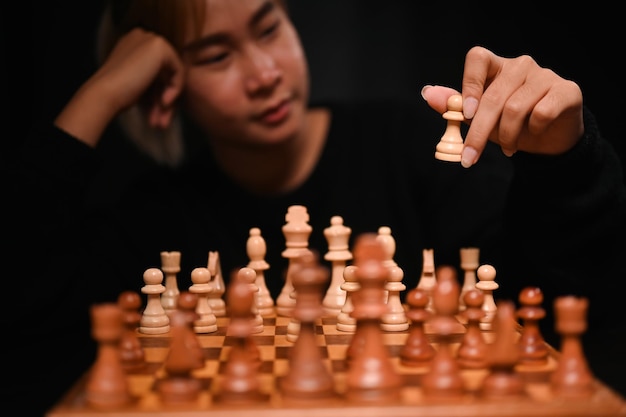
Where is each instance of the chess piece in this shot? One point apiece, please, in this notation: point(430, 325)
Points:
point(450, 145)
point(371, 376)
point(503, 381)
point(307, 376)
point(345, 321)
point(107, 387)
point(179, 385)
point(257, 249)
point(443, 379)
point(132, 354)
point(239, 383)
point(469, 264)
point(572, 378)
point(394, 320)
point(218, 306)
point(417, 349)
point(533, 348)
point(248, 275)
point(473, 351)
point(170, 265)
point(206, 321)
point(297, 231)
point(187, 303)
point(428, 280)
point(337, 236)
point(154, 320)
point(486, 283)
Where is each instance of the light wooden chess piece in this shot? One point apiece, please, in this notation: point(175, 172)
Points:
point(486, 283)
point(394, 320)
point(248, 275)
point(345, 321)
point(337, 236)
point(154, 320)
point(217, 303)
point(450, 145)
point(469, 264)
point(206, 321)
point(297, 231)
point(170, 265)
point(428, 280)
point(256, 249)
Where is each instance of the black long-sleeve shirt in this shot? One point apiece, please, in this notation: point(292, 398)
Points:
point(84, 224)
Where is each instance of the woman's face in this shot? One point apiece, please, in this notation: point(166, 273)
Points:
point(247, 77)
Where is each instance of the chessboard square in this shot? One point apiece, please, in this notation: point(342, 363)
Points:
point(282, 321)
point(156, 354)
point(154, 341)
point(209, 370)
point(338, 366)
point(212, 340)
point(266, 367)
point(139, 385)
point(212, 353)
point(267, 353)
point(331, 329)
point(337, 339)
point(336, 352)
point(281, 340)
point(282, 352)
point(263, 340)
point(269, 322)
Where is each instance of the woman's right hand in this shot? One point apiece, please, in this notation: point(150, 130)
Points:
point(143, 68)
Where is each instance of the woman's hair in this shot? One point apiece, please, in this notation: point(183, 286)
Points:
point(175, 20)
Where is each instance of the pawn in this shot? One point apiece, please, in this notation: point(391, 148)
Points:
point(308, 376)
point(533, 349)
point(503, 381)
point(131, 351)
point(450, 145)
point(107, 387)
point(572, 378)
point(179, 385)
point(443, 379)
point(473, 351)
point(417, 349)
point(154, 319)
point(345, 321)
point(486, 283)
point(206, 321)
point(249, 275)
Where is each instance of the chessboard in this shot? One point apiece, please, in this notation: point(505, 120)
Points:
point(274, 352)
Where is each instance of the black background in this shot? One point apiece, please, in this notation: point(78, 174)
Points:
point(360, 48)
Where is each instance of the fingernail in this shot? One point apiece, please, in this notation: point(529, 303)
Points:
point(470, 105)
point(468, 156)
point(508, 152)
point(423, 92)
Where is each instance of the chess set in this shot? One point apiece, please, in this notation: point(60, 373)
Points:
point(341, 343)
